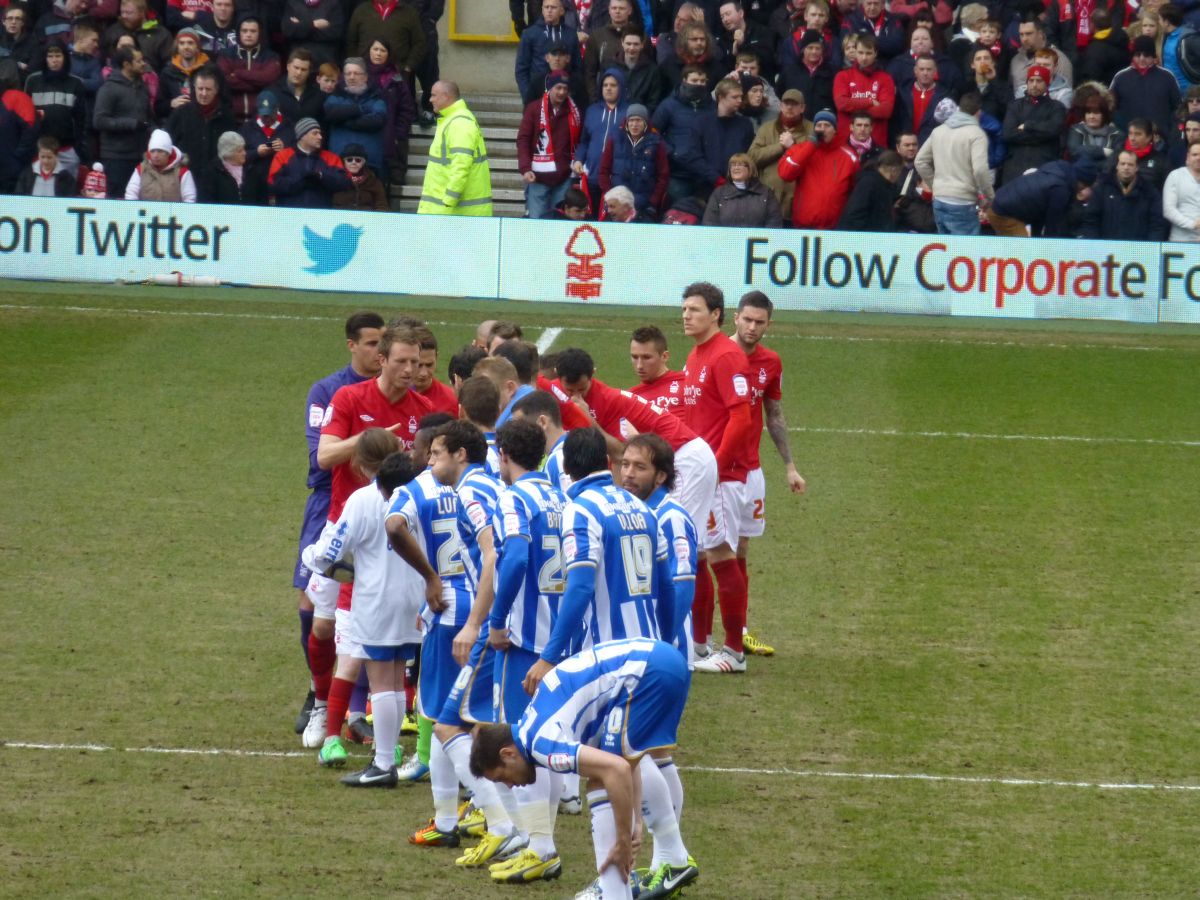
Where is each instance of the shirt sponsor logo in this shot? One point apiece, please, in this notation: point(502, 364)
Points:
point(740, 387)
point(366, 418)
point(568, 547)
point(316, 416)
point(560, 762)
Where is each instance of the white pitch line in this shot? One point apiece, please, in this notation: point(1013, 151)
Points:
point(718, 770)
point(971, 435)
point(546, 341)
point(824, 338)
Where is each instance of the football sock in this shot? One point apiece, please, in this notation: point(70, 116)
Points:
point(702, 604)
point(504, 792)
point(731, 591)
point(613, 884)
point(386, 707)
point(556, 794)
point(322, 654)
point(746, 577)
point(659, 815)
point(424, 738)
point(444, 783)
point(358, 697)
point(533, 813)
point(570, 784)
point(458, 748)
point(670, 772)
point(339, 698)
point(306, 617)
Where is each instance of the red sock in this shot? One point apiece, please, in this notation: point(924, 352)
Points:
point(410, 690)
point(746, 576)
point(339, 702)
point(322, 654)
point(731, 594)
point(702, 604)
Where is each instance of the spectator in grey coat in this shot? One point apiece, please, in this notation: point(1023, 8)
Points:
point(743, 201)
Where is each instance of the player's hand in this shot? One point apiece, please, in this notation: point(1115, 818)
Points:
point(622, 856)
point(639, 829)
point(433, 594)
point(463, 642)
point(534, 677)
point(796, 482)
point(498, 638)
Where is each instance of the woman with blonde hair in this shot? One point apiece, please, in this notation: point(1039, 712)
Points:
point(743, 201)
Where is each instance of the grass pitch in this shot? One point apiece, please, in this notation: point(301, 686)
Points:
point(993, 576)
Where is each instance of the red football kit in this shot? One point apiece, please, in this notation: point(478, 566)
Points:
point(572, 415)
point(715, 390)
point(354, 409)
point(765, 374)
point(612, 408)
point(665, 391)
point(441, 398)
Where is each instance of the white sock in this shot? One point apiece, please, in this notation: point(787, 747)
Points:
point(613, 885)
point(670, 771)
point(570, 784)
point(556, 794)
point(660, 816)
point(458, 748)
point(509, 802)
point(533, 814)
point(444, 783)
point(386, 707)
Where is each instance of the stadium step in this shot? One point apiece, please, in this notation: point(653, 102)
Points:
point(499, 116)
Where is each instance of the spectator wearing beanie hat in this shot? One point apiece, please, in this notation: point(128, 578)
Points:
point(1145, 89)
point(812, 73)
point(162, 175)
point(546, 142)
point(823, 169)
point(305, 176)
point(174, 87)
point(1043, 200)
point(366, 193)
point(1033, 126)
point(636, 157)
point(231, 179)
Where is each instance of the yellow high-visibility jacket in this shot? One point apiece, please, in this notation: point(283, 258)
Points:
point(458, 181)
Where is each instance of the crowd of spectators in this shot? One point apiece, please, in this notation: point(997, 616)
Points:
point(1022, 116)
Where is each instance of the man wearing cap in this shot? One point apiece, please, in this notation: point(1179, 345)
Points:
point(198, 124)
point(248, 68)
point(1041, 200)
point(811, 74)
point(774, 139)
point(536, 40)
point(305, 175)
point(265, 134)
point(458, 181)
point(954, 163)
point(546, 143)
point(173, 88)
point(1145, 89)
point(823, 169)
point(162, 175)
point(1033, 126)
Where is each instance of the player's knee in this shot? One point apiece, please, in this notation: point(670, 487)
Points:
point(322, 629)
point(445, 732)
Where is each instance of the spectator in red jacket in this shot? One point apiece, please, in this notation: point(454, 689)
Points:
point(823, 169)
point(864, 87)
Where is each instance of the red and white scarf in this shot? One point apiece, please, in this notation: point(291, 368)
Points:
point(543, 154)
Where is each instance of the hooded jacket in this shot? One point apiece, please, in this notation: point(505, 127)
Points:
point(531, 69)
point(62, 101)
point(1040, 199)
point(152, 38)
point(641, 166)
point(247, 72)
point(954, 161)
point(824, 175)
point(60, 182)
point(677, 119)
point(752, 206)
point(599, 124)
point(173, 182)
point(122, 117)
point(172, 80)
point(357, 119)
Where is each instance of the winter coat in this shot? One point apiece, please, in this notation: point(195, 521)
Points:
point(357, 119)
point(1112, 214)
point(765, 150)
point(197, 136)
point(122, 117)
point(560, 131)
point(152, 38)
point(948, 75)
point(888, 31)
point(220, 39)
point(643, 84)
point(1100, 144)
point(458, 181)
point(677, 120)
point(323, 43)
point(401, 31)
point(531, 66)
point(824, 176)
point(641, 167)
point(869, 207)
point(1040, 199)
point(18, 136)
point(872, 92)
point(753, 206)
point(222, 188)
point(309, 105)
point(401, 110)
point(366, 195)
point(996, 97)
point(599, 124)
point(173, 183)
point(63, 184)
point(1153, 95)
point(602, 55)
point(1104, 57)
point(62, 103)
point(172, 80)
point(1039, 141)
point(247, 72)
point(816, 86)
point(306, 180)
point(902, 118)
point(720, 137)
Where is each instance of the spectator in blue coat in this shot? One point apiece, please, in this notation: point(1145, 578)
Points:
point(1123, 206)
point(723, 132)
point(676, 119)
point(305, 176)
point(601, 121)
point(1042, 199)
point(536, 41)
point(636, 157)
point(357, 113)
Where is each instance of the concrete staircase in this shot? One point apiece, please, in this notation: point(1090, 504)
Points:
point(499, 116)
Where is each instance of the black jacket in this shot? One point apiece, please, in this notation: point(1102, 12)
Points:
point(869, 207)
point(1039, 141)
point(816, 86)
point(1041, 199)
point(1103, 59)
point(221, 187)
point(1113, 215)
point(122, 117)
point(197, 137)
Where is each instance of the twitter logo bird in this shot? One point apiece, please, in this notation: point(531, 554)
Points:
point(331, 254)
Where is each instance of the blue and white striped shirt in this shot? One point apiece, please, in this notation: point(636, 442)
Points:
point(553, 467)
point(478, 493)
